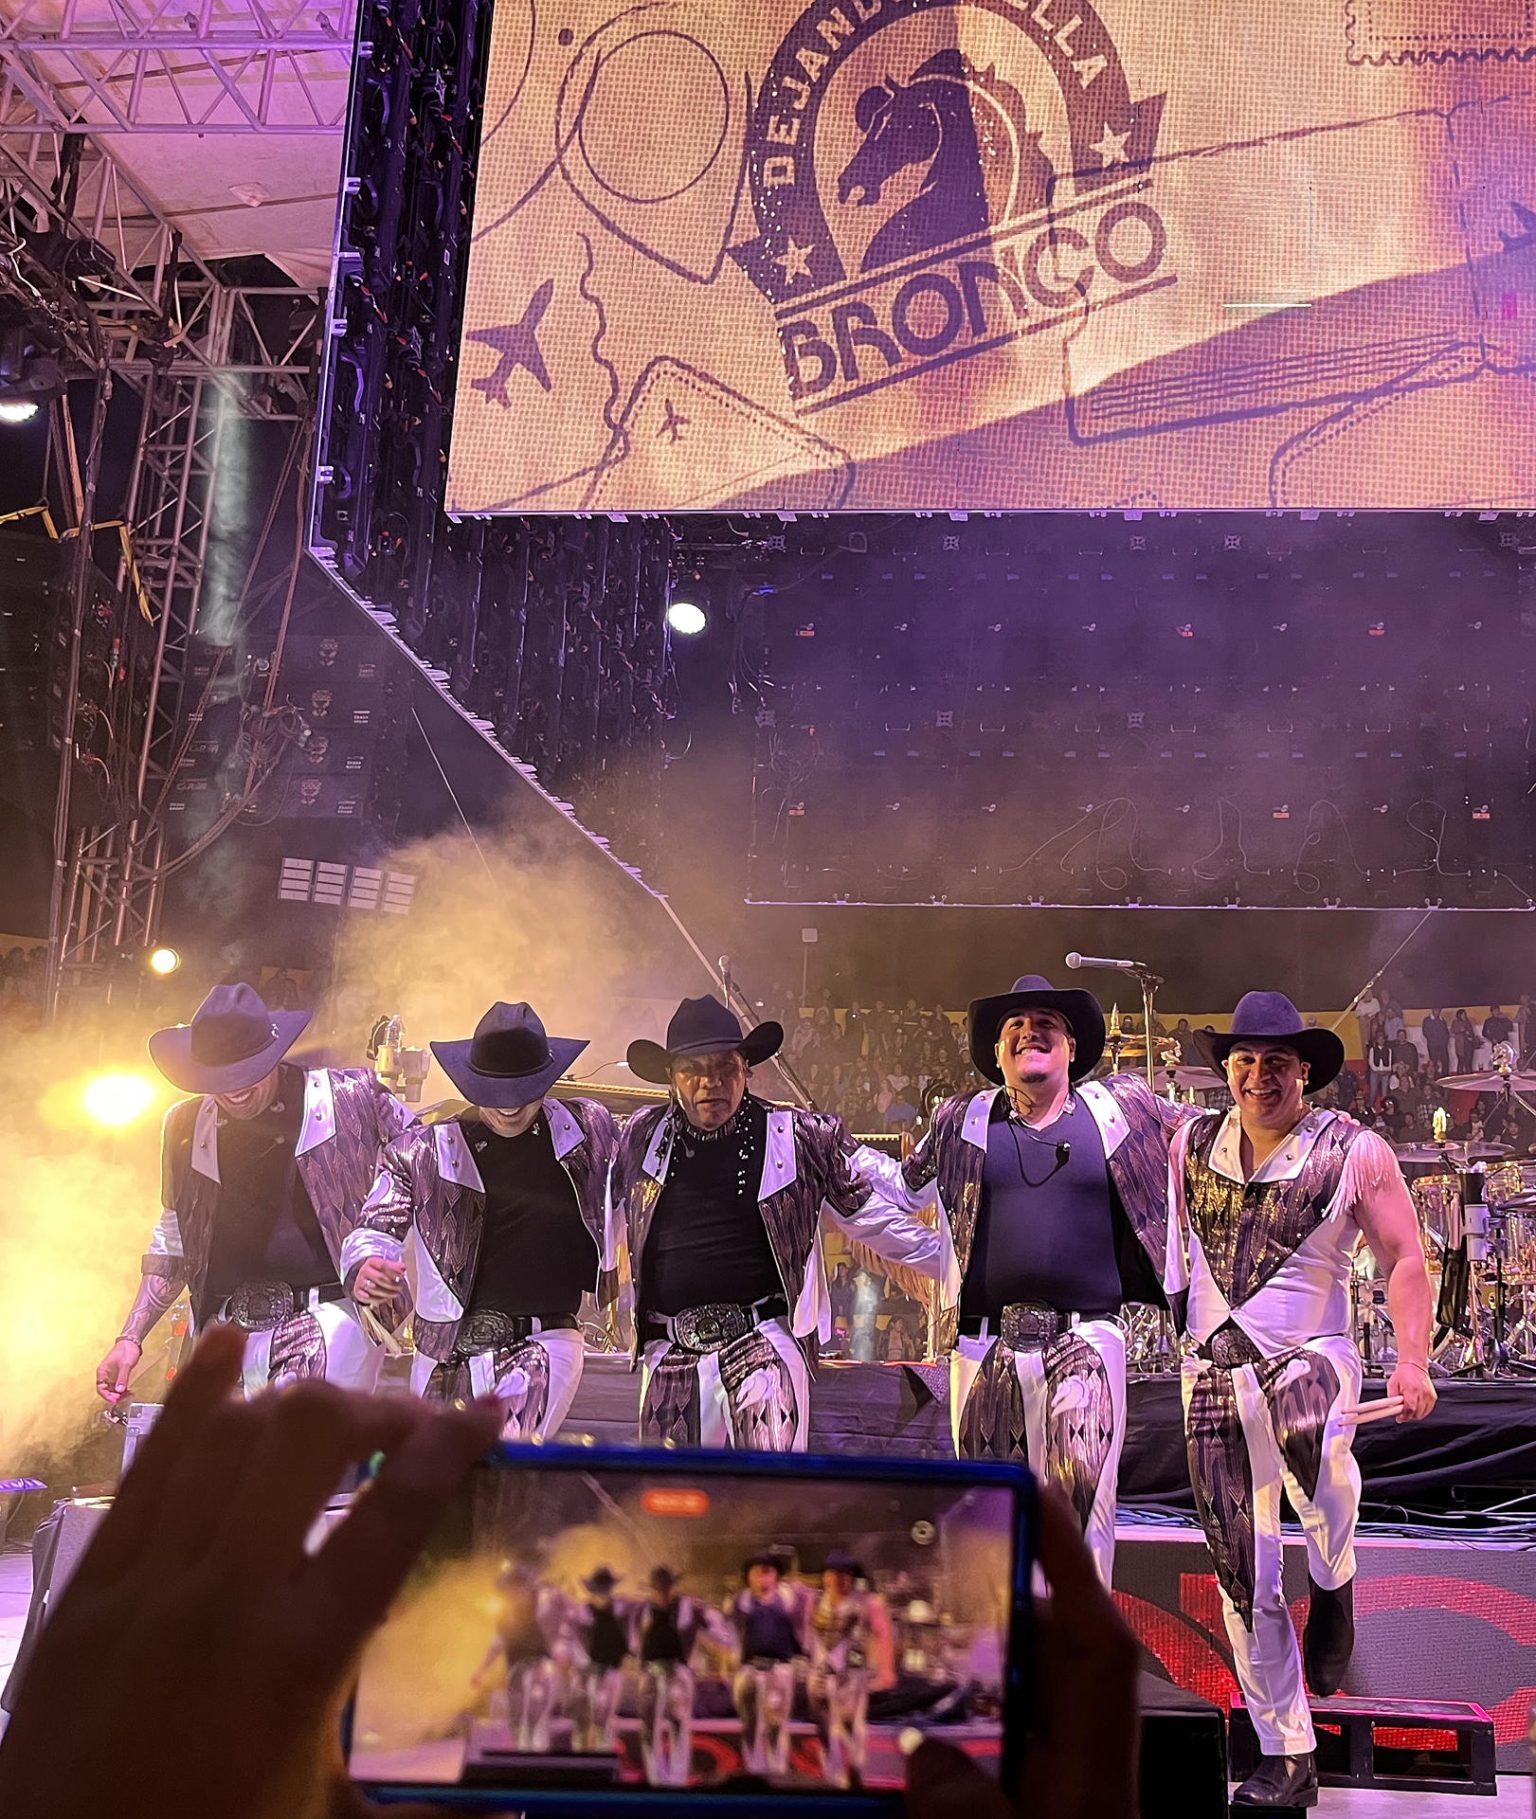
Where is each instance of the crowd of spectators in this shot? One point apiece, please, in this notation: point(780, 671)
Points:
point(881, 1067)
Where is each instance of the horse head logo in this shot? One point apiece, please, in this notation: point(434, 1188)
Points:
point(970, 129)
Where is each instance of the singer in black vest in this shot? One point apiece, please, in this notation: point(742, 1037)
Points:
point(1053, 1191)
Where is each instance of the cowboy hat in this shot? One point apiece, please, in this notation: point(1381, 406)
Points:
point(1271, 1017)
point(700, 1026)
point(602, 1581)
point(233, 1042)
point(1081, 1009)
point(509, 1061)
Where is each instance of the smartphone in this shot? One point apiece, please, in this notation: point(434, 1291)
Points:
point(609, 1630)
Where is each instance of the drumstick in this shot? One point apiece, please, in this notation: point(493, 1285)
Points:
point(1364, 1412)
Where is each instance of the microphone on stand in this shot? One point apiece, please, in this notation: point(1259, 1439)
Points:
point(1115, 966)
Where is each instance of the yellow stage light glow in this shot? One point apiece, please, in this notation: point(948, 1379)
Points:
point(164, 960)
point(117, 1099)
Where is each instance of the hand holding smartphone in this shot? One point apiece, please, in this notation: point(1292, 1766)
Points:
point(604, 1629)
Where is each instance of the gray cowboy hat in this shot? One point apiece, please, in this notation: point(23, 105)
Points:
point(1084, 1015)
point(700, 1026)
point(1271, 1017)
point(509, 1061)
point(232, 1042)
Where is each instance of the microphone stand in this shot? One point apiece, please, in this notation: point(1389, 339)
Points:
point(1149, 982)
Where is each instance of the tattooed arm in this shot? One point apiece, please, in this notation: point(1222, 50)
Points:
point(164, 1276)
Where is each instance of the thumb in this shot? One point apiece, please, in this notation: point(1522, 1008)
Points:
point(944, 1783)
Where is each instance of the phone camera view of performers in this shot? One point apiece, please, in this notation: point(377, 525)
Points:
point(621, 1629)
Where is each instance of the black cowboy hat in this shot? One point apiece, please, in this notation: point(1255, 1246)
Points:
point(699, 1026)
point(839, 1561)
point(764, 1556)
point(603, 1580)
point(509, 1061)
point(1271, 1017)
point(232, 1042)
point(1084, 1015)
point(663, 1578)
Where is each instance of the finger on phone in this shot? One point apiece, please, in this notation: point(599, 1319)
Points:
point(357, 1572)
point(310, 1434)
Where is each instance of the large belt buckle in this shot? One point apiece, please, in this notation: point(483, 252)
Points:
point(259, 1306)
point(1230, 1347)
point(487, 1328)
point(712, 1327)
point(1029, 1326)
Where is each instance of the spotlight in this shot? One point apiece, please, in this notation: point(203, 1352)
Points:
point(29, 378)
point(117, 1099)
point(685, 617)
point(163, 961)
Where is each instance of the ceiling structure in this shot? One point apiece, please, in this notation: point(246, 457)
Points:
point(224, 116)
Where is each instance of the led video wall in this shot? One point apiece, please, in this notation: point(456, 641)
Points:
point(915, 254)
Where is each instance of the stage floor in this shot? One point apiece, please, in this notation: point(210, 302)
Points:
point(1512, 1801)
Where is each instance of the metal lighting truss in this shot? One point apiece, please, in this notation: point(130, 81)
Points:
point(116, 66)
point(84, 250)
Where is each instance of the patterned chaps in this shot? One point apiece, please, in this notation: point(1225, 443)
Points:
point(1061, 1408)
point(1251, 1433)
point(750, 1394)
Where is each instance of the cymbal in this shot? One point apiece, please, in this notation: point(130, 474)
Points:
point(1489, 1080)
point(1202, 1079)
point(1457, 1154)
point(1520, 1203)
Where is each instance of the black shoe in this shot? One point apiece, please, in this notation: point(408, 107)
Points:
point(1330, 1638)
point(1280, 1781)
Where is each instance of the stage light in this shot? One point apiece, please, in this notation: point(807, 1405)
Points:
point(29, 377)
point(686, 617)
point(163, 961)
point(117, 1099)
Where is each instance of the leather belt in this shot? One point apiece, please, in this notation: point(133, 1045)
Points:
point(715, 1325)
point(1026, 1326)
point(1228, 1348)
point(256, 1307)
point(484, 1329)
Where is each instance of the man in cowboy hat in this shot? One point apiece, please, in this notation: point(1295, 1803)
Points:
point(492, 1218)
point(667, 1630)
point(1053, 1191)
point(263, 1174)
point(602, 1626)
point(853, 1653)
point(718, 1198)
point(1271, 1199)
point(769, 1616)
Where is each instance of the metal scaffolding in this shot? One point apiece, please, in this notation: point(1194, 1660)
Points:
point(86, 252)
point(239, 67)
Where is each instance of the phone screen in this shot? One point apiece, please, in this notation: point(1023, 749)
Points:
point(622, 1621)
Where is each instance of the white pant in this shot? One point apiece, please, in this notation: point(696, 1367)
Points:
point(1057, 1386)
point(507, 1375)
point(1265, 1653)
point(773, 1405)
point(343, 1354)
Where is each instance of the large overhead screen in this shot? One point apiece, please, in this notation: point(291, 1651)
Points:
point(911, 254)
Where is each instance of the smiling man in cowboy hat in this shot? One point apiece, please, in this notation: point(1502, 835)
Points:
point(1271, 1199)
point(263, 1173)
point(718, 1197)
point(493, 1217)
point(1053, 1190)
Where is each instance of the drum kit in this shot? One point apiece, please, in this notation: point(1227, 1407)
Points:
point(1476, 1205)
